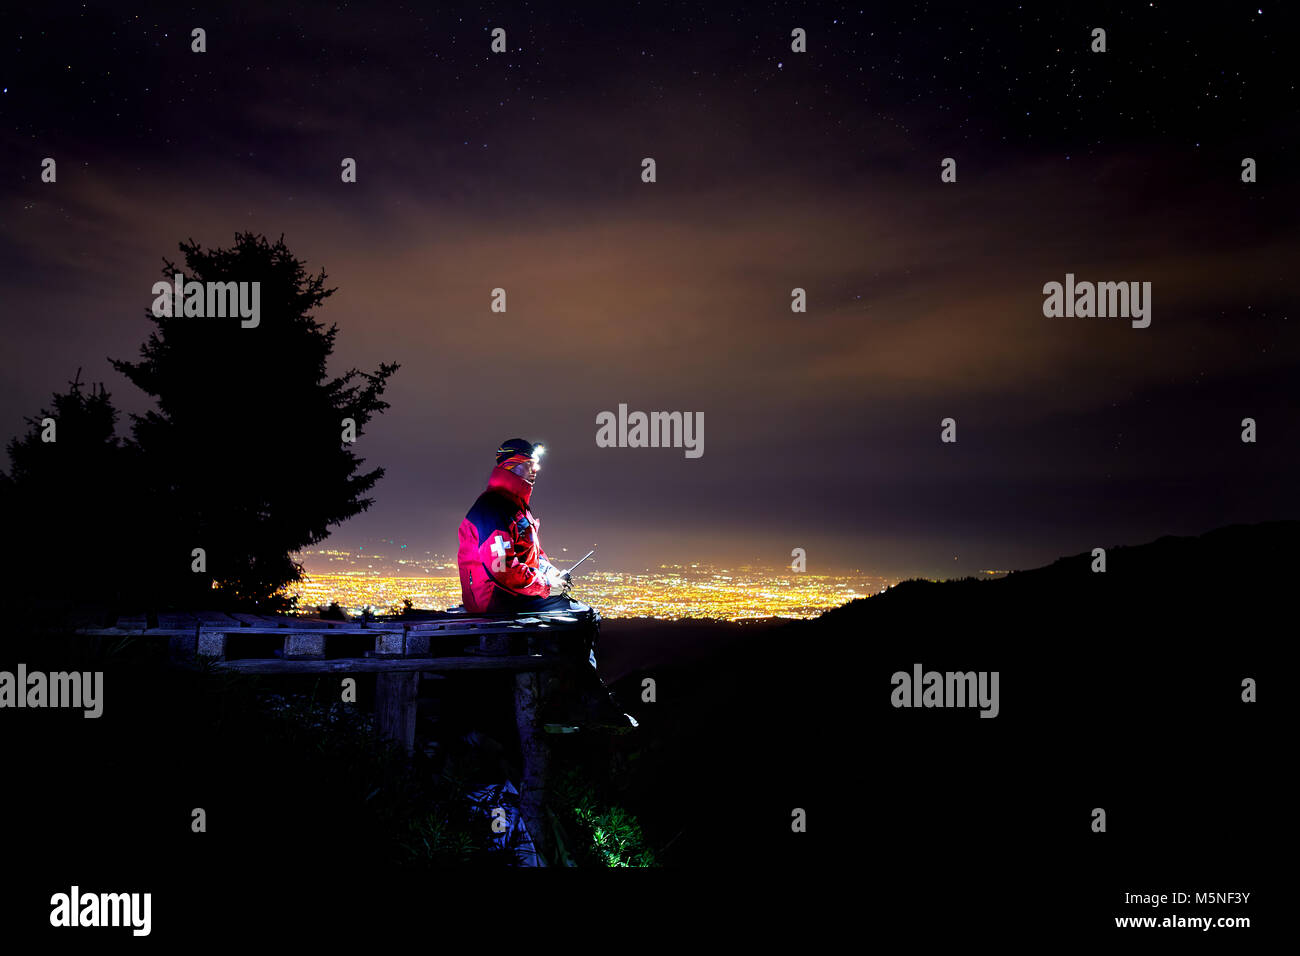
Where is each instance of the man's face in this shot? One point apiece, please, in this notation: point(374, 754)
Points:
point(527, 470)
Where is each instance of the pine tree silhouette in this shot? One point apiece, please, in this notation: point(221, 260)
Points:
point(244, 456)
point(64, 503)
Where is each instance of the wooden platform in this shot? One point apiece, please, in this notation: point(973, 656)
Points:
point(398, 651)
point(428, 641)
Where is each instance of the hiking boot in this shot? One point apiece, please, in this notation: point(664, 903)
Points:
point(603, 712)
point(592, 709)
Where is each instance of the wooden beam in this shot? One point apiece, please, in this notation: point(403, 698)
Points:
point(380, 665)
point(177, 619)
point(150, 632)
point(216, 618)
point(334, 631)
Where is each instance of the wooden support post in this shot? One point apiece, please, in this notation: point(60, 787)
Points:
point(395, 694)
point(529, 692)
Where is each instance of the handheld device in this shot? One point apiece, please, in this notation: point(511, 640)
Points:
point(580, 560)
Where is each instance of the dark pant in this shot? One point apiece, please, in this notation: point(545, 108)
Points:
point(586, 650)
point(519, 605)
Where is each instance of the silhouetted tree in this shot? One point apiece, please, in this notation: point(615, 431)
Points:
point(244, 455)
point(65, 502)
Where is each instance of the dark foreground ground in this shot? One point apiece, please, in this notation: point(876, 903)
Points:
point(1120, 691)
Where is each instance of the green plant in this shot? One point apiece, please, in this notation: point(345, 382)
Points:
point(605, 835)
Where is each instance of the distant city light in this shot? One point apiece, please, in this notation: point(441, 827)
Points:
point(669, 592)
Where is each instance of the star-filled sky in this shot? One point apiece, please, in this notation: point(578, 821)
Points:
point(775, 170)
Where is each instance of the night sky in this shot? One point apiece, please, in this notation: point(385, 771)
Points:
point(775, 170)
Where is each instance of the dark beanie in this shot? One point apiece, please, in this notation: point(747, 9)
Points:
point(513, 447)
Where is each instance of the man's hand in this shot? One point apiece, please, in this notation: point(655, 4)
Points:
point(558, 580)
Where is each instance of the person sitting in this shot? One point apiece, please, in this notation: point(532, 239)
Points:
point(503, 568)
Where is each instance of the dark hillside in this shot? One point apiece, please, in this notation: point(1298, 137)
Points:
point(1119, 690)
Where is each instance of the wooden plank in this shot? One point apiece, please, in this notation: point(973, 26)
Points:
point(252, 619)
point(301, 623)
point(419, 638)
point(497, 628)
point(429, 627)
point(176, 619)
point(238, 631)
point(158, 631)
point(215, 618)
point(379, 665)
point(466, 624)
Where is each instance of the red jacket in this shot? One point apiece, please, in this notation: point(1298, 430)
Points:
point(500, 555)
